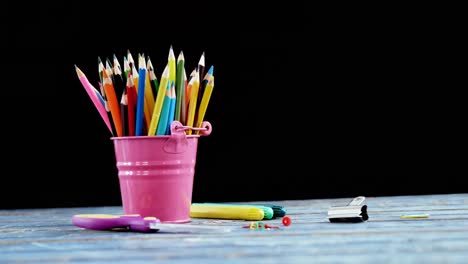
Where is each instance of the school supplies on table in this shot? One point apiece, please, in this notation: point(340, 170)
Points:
point(136, 223)
point(226, 212)
point(149, 132)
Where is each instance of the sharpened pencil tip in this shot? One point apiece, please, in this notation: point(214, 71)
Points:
point(115, 57)
point(149, 65)
point(78, 71)
point(171, 54)
point(181, 56)
point(210, 71)
point(202, 60)
point(129, 57)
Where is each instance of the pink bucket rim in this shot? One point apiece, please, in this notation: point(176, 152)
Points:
point(150, 137)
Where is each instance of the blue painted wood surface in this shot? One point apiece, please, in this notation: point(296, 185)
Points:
point(47, 236)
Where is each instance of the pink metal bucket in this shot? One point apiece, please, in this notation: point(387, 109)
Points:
point(156, 173)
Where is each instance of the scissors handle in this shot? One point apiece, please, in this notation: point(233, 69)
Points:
point(108, 222)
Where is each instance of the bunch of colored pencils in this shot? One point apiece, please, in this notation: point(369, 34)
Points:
point(148, 106)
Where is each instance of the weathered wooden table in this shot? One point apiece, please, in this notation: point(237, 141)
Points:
point(47, 236)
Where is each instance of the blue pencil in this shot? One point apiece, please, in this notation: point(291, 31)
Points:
point(171, 110)
point(100, 97)
point(141, 96)
point(162, 125)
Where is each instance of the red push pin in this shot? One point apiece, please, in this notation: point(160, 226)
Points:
point(286, 221)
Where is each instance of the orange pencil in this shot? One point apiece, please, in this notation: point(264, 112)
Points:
point(114, 105)
point(188, 92)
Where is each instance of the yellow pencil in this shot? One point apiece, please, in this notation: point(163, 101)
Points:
point(159, 102)
point(193, 101)
point(149, 96)
point(135, 77)
point(172, 66)
point(204, 102)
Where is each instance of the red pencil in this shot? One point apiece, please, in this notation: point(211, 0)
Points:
point(131, 102)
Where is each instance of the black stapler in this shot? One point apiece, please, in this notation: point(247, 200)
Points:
point(354, 212)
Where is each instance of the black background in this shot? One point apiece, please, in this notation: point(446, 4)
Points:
point(306, 105)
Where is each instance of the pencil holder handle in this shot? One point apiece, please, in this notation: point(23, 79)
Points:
point(205, 128)
point(177, 141)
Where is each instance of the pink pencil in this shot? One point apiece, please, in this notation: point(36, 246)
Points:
point(91, 92)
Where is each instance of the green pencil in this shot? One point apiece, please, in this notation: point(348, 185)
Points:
point(180, 89)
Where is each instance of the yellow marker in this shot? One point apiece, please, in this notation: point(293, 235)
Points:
point(159, 102)
point(226, 212)
point(414, 216)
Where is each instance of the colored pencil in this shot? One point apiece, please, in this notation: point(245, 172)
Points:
point(141, 97)
point(98, 94)
point(131, 62)
point(113, 103)
point(193, 101)
point(91, 93)
point(101, 79)
point(159, 102)
point(106, 107)
point(131, 101)
point(201, 65)
point(162, 126)
point(135, 77)
point(171, 109)
point(124, 113)
point(201, 90)
point(172, 65)
point(188, 92)
point(149, 95)
point(204, 102)
point(127, 68)
point(183, 115)
point(109, 70)
point(180, 89)
point(153, 78)
point(119, 83)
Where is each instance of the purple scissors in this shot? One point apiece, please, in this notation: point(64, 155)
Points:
point(133, 222)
